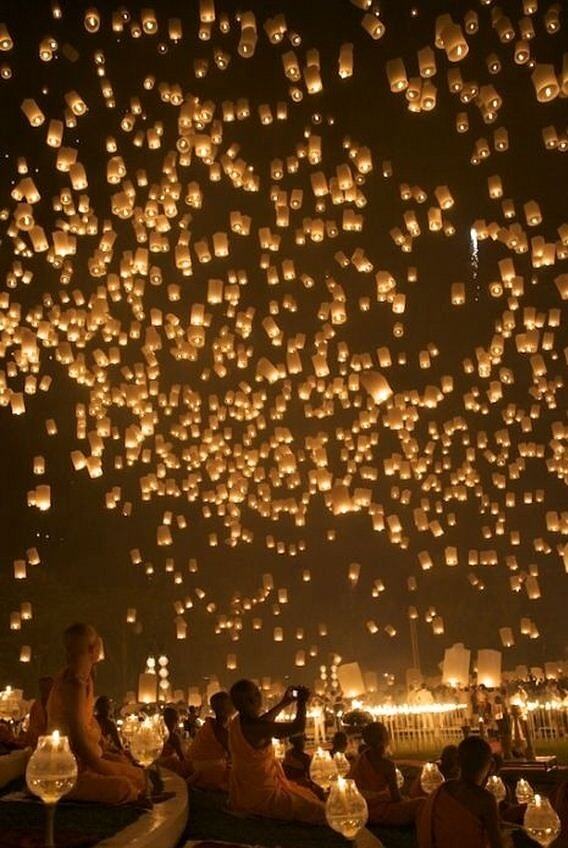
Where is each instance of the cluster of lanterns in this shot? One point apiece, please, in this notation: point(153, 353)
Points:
point(209, 383)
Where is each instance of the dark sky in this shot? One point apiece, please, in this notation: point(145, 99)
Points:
point(86, 571)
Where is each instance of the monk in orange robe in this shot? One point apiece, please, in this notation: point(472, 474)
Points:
point(560, 804)
point(461, 812)
point(375, 776)
point(37, 723)
point(104, 779)
point(209, 753)
point(173, 756)
point(296, 763)
point(448, 765)
point(258, 785)
point(9, 742)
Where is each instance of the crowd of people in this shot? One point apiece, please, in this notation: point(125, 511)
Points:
point(232, 751)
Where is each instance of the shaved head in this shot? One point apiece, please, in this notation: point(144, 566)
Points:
point(222, 705)
point(246, 697)
point(81, 640)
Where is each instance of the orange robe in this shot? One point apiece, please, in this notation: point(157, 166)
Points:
point(37, 724)
point(374, 788)
point(445, 823)
point(171, 759)
point(125, 783)
point(209, 759)
point(560, 804)
point(258, 785)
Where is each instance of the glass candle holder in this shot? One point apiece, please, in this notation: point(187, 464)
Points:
point(323, 769)
point(541, 822)
point(399, 778)
point(341, 764)
point(279, 749)
point(50, 774)
point(497, 788)
point(431, 778)
point(346, 810)
point(147, 741)
point(524, 793)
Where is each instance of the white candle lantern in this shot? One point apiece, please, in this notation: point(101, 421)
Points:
point(497, 788)
point(279, 749)
point(346, 810)
point(50, 774)
point(399, 778)
point(524, 793)
point(431, 778)
point(541, 822)
point(342, 764)
point(147, 741)
point(323, 768)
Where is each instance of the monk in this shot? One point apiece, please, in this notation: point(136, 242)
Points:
point(340, 744)
point(296, 762)
point(103, 779)
point(209, 752)
point(173, 756)
point(37, 723)
point(449, 767)
point(560, 804)
point(375, 776)
point(461, 812)
point(103, 714)
point(258, 785)
point(8, 741)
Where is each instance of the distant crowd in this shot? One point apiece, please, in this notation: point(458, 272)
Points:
point(262, 764)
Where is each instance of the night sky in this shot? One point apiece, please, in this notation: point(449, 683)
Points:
point(86, 571)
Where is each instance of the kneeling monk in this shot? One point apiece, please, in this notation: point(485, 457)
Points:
point(70, 710)
point(375, 776)
point(258, 785)
point(209, 752)
point(37, 724)
point(461, 812)
point(173, 756)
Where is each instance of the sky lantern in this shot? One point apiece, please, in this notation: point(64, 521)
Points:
point(232, 331)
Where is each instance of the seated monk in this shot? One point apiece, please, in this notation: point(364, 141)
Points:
point(173, 756)
point(191, 723)
point(70, 705)
point(258, 785)
point(560, 804)
point(110, 736)
point(8, 741)
point(375, 776)
point(461, 812)
point(37, 722)
point(209, 752)
point(296, 762)
point(449, 767)
point(340, 745)
point(296, 765)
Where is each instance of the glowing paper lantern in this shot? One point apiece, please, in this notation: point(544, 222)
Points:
point(147, 688)
point(455, 670)
point(489, 668)
point(351, 680)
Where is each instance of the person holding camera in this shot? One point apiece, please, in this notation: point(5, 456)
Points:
point(258, 785)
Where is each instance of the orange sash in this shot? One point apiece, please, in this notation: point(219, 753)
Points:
point(57, 711)
point(209, 759)
point(444, 823)
point(258, 785)
point(37, 724)
point(374, 788)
